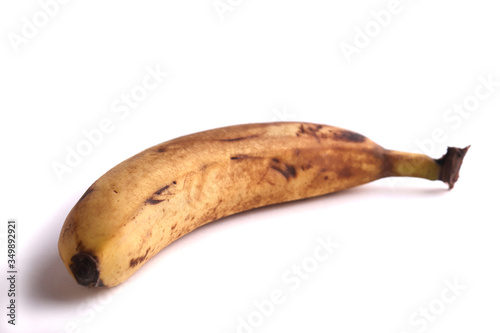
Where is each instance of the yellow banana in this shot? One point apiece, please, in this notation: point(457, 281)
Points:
point(155, 197)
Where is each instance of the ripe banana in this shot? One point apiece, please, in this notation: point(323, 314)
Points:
point(157, 196)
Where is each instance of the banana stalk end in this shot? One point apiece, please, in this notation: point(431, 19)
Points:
point(450, 165)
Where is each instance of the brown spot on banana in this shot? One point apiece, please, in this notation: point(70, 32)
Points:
point(163, 189)
point(160, 195)
point(239, 157)
point(135, 209)
point(89, 190)
point(346, 172)
point(348, 136)
point(288, 171)
point(319, 132)
point(240, 138)
point(243, 157)
point(134, 262)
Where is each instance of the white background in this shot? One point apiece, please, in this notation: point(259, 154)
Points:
point(402, 243)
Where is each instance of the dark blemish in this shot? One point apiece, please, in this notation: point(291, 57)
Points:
point(349, 136)
point(233, 139)
point(297, 151)
point(240, 138)
point(345, 172)
point(244, 156)
point(291, 170)
point(312, 131)
point(152, 201)
point(161, 150)
point(306, 167)
point(239, 157)
point(173, 227)
point(285, 169)
point(89, 190)
point(70, 227)
point(137, 261)
point(174, 182)
point(288, 172)
point(325, 178)
point(115, 191)
point(79, 247)
point(162, 189)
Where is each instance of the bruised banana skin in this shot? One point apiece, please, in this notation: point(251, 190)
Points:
point(155, 197)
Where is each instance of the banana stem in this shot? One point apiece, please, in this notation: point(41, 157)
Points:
point(446, 168)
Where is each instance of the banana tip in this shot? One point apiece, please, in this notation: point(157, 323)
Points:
point(85, 269)
point(450, 165)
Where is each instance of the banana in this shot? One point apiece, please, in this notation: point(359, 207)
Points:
point(159, 195)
